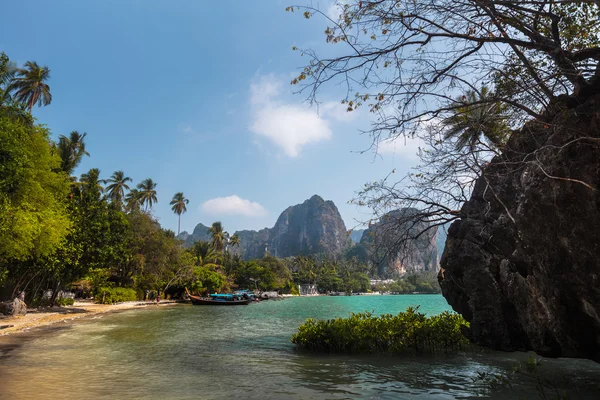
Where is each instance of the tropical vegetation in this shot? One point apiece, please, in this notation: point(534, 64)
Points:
point(409, 332)
point(97, 236)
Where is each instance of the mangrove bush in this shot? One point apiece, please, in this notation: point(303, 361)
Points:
point(408, 332)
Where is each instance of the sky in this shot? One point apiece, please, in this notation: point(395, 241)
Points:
point(196, 95)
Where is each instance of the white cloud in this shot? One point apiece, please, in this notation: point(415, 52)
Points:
point(338, 111)
point(335, 9)
point(289, 126)
point(407, 147)
point(233, 205)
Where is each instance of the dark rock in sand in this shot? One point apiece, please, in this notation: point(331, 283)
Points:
point(12, 308)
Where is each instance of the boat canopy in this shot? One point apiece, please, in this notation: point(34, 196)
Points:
point(222, 295)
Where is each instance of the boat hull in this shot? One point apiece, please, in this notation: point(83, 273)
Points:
point(204, 301)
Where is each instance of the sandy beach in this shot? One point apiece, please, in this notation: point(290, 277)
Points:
point(43, 317)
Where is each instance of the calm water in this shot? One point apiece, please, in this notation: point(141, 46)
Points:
point(192, 352)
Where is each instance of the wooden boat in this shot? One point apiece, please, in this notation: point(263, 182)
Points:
point(217, 301)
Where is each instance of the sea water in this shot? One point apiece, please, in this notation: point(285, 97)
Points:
point(207, 352)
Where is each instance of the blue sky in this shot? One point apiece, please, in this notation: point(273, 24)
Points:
point(196, 96)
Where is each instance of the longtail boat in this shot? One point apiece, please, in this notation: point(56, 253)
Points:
point(218, 300)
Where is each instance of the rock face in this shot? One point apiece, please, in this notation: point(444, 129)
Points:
point(356, 235)
point(15, 307)
point(313, 227)
point(523, 262)
point(381, 244)
point(200, 233)
point(253, 244)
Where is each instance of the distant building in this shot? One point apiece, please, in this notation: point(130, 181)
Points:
point(308, 290)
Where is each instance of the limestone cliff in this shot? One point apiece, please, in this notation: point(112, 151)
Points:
point(200, 233)
point(311, 228)
point(523, 262)
point(385, 245)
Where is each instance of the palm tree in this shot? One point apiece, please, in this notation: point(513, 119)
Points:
point(147, 193)
point(90, 183)
point(206, 255)
point(234, 240)
point(179, 207)
point(218, 235)
point(30, 86)
point(7, 73)
point(118, 185)
point(71, 150)
point(133, 200)
point(477, 117)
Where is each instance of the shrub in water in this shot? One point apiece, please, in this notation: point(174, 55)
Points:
point(107, 295)
point(409, 331)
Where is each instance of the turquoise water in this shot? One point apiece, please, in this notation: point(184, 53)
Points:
point(191, 352)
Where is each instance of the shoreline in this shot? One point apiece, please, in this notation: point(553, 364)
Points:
point(46, 317)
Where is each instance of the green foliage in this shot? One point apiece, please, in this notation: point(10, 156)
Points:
point(218, 235)
point(33, 215)
point(156, 257)
point(112, 295)
point(206, 279)
point(63, 302)
point(71, 150)
point(407, 332)
point(146, 193)
point(30, 85)
point(348, 275)
point(422, 282)
point(117, 186)
point(477, 118)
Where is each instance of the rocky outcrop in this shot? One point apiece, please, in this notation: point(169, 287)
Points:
point(311, 228)
point(253, 243)
point(398, 245)
point(12, 308)
point(200, 233)
point(356, 235)
point(523, 262)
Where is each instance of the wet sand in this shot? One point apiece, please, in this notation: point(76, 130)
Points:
point(48, 316)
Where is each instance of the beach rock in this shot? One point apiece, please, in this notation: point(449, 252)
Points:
point(12, 308)
point(522, 265)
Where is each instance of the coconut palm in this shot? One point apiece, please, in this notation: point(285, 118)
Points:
point(118, 185)
point(71, 150)
point(7, 73)
point(206, 255)
point(30, 85)
point(133, 200)
point(90, 183)
point(218, 236)
point(234, 240)
point(476, 118)
point(179, 203)
point(147, 193)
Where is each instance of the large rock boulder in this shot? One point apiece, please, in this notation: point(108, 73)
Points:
point(523, 262)
point(12, 308)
